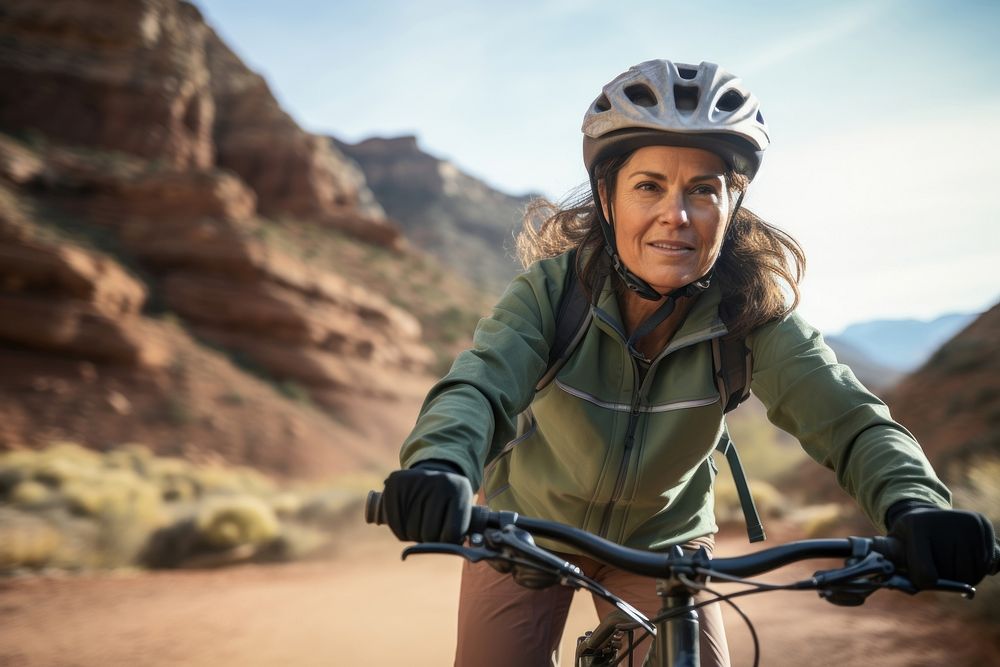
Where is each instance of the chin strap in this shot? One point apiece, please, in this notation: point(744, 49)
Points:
point(664, 310)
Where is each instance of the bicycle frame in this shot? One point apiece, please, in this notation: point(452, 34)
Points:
point(676, 637)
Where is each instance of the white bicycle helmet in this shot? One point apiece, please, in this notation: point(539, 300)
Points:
point(663, 103)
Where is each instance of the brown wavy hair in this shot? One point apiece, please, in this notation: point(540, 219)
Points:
point(759, 267)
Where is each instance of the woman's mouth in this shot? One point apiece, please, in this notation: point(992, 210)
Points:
point(671, 247)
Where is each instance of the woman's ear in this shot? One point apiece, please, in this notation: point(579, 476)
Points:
point(602, 193)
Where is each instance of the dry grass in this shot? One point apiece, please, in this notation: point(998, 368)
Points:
point(69, 507)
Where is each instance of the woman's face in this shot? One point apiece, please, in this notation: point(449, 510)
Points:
point(669, 213)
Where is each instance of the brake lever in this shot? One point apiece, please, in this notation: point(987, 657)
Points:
point(872, 564)
point(901, 583)
point(510, 538)
point(471, 554)
point(521, 541)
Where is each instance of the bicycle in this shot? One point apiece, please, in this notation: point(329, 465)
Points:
point(505, 540)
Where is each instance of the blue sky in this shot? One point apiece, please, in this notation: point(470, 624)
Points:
point(883, 115)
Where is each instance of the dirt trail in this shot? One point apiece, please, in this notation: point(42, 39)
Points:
point(367, 608)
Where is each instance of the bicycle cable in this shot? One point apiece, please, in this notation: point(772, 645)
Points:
point(690, 583)
point(589, 585)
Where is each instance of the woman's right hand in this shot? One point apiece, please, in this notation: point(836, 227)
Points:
point(428, 503)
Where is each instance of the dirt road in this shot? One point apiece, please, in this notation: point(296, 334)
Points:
point(367, 608)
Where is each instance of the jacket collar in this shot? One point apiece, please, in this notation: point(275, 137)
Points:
point(702, 322)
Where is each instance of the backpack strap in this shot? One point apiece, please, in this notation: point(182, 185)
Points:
point(572, 321)
point(726, 447)
point(732, 364)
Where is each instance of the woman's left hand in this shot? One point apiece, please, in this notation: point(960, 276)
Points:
point(956, 545)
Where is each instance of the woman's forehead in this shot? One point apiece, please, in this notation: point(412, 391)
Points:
point(674, 160)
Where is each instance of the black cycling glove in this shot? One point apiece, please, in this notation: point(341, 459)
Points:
point(428, 503)
point(944, 544)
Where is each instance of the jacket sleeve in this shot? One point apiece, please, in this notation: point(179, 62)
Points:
point(471, 412)
point(839, 422)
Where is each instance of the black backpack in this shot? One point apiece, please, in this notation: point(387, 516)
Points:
point(732, 365)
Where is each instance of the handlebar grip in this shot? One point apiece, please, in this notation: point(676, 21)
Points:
point(891, 548)
point(374, 510)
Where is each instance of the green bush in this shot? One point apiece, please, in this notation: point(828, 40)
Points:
point(30, 493)
point(227, 522)
point(26, 541)
point(132, 456)
point(979, 489)
point(80, 509)
point(769, 501)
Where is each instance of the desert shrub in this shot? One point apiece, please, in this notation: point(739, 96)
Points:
point(286, 504)
point(177, 479)
point(71, 451)
point(128, 507)
point(30, 493)
point(132, 456)
point(26, 541)
point(212, 480)
point(57, 473)
point(979, 489)
point(298, 541)
point(331, 509)
point(115, 493)
point(15, 467)
point(822, 520)
point(769, 501)
point(226, 522)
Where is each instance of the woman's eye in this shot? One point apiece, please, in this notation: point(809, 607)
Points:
point(704, 190)
point(647, 186)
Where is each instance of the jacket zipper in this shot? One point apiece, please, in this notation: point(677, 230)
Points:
point(633, 422)
point(633, 417)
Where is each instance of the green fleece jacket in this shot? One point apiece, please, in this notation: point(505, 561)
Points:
point(628, 455)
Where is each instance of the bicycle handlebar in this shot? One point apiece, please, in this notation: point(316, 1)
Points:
point(654, 564)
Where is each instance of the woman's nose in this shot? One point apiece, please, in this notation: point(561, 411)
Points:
point(673, 211)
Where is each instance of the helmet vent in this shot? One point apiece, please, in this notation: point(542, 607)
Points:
point(686, 98)
point(760, 117)
point(602, 104)
point(687, 72)
point(731, 101)
point(641, 94)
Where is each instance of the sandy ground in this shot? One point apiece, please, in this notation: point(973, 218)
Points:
point(365, 607)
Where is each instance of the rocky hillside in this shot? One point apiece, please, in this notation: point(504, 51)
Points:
point(951, 404)
point(179, 260)
point(457, 218)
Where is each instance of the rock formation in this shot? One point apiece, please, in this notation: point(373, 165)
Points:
point(450, 214)
point(142, 168)
point(149, 78)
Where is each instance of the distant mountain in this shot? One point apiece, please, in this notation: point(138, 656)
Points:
point(902, 345)
point(441, 209)
point(874, 375)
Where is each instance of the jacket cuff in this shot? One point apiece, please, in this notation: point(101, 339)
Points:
point(439, 465)
point(905, 506)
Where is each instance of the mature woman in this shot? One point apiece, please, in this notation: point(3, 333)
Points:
point(620, 443)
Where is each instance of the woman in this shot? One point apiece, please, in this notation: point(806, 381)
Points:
point(620, 443)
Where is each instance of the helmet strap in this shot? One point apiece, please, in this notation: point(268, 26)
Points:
point(665, 310)
point(633, 282)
